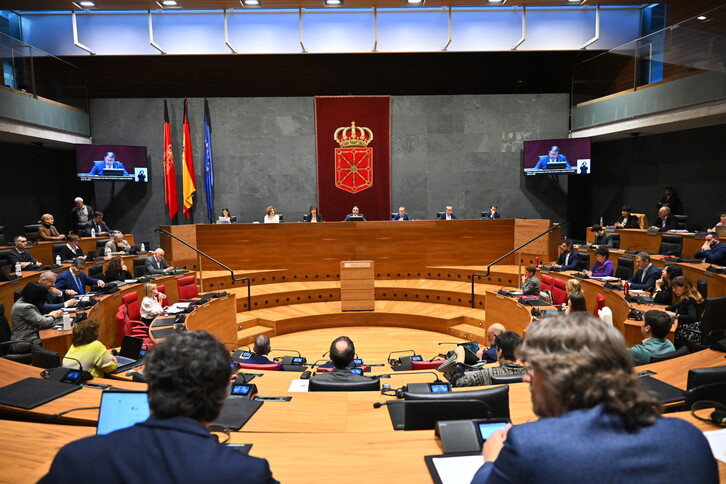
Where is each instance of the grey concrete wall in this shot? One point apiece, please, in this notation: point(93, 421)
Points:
point(463, 150)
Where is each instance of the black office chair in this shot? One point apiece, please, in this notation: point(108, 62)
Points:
point(507, 379)
point(317, 385)
point(681, 222)
point(57, 248)
point(43, 358)
point(614, 241)
point(31, 232)
point(715, 392)
point(705, 376)
point(232, 220)
point(713, 323)
point(101, 245)
point(702, 287)
point(5, 343)
point(16, 295)
point(2, 235)
point(139, 263)
point(671, 245)
point(625, 268)
point(81, 229)
point(96, 271)
point(497, 398)
point(584, 262)
point(682, 351)
point(440, 215)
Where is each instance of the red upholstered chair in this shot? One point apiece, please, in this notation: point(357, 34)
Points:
point(546, 282)
point(559, 291)
point(599, 305)
point(125, 326)
point(131, 300)
point(426, 365)
point(161, 288)
point(187, 288)
point(260, 366)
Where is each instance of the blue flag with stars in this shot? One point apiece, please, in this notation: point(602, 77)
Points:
point(208, 164)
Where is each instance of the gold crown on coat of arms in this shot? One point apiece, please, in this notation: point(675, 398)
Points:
point(347, 136)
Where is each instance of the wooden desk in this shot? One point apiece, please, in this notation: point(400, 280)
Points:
point(645, 241)
point(218, 316)
point(43, 251)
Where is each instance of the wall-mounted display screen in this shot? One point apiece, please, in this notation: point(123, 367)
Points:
point(112, 162)
point(570, 156)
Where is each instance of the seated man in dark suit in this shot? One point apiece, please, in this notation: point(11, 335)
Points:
point(74, 280)
point(492, 213)
point(354, 213)
point(261, 348)
point(666, 221)
point(71, 250)
point(98, 225)
point(24, 257)
point(627, 220)
point(156, 264)
point(553, 156)
point(646, 275)
point(569, 259)
point(448, 214)
point(601, 237)
point(712, 251)
point(188, 374)
point(591, 403)
point(401, 215)
point(342, 352)
point(108, 162)
point(55, 298)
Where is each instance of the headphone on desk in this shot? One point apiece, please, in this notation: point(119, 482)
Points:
point(717, 417)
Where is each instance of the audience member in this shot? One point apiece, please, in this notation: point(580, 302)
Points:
point(153, 304)
point(28, 320)
point(655, 328)
point(506, 342)
point(573, 286)
point(188, 375)
point(576, 304)
point(663, 292)
point(342, 352)
point(665, 222)
point(55, 298)
point(272, 217)
point(448, 214)
point(483, 355)
point(355, 212)
point(569, 259)
point(156, 264)
point(601, 237)
point(603, 267)
point(530, 283)
point(401, 215)
point(74, 280)
point(20, 255)
point(117, 245)
point(492, 213)
point(314, 215)
point(117, 270)
point(721, 222)
point(627, 220)
point(646, 275)
point(90, 353)
point(47, 230)
point(606, 426)
point(80, 214)
point(670, 199)
point(686, 310)
point(97, 225)
point(71, 250)
point(261, 349)
point(712, 250)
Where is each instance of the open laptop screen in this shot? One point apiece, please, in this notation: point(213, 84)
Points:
point(121, 409)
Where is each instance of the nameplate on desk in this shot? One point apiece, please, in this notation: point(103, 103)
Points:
point(349, 265)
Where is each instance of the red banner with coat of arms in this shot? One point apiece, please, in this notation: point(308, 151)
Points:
point(353, 142)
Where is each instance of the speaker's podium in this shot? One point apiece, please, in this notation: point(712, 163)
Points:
point(357, 289)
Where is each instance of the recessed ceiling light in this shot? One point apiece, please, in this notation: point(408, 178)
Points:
point(495, 1)
point(86, 4)
point(251, 3)
point(169, 3)
point(333, 3)
point(701, 17)
point(415, 2)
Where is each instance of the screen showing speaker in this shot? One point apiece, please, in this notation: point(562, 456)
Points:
point(112, 163)
point(568, 156)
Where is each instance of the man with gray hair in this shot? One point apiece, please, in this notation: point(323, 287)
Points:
point(666, 221)
point(261, 348)
point(54, 300)
point(117, 244)
point(156, 264)
point(80, 214)
point(646, 275)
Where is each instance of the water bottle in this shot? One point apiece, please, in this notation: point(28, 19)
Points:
point(18, 272)
point(536, 261)
point(57, 260)
point(626, 288)
point(143, 248)
point(601, 224)
point(108, 252)
point(66, 321)
point(93, 232)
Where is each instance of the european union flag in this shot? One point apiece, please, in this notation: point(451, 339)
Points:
point(208, 164)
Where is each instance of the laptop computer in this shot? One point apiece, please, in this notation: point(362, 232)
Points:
point(121, 409)
point(130, 353)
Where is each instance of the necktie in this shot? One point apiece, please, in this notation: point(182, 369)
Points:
point(78, 284)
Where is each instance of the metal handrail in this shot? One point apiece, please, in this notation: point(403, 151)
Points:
point(507, 255)
point(231, 272)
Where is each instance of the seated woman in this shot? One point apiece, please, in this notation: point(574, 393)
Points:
point(602, 267)
point(663, 293)
point(91, 353)
point(685, 311)
point(153, 303)
point(530, 283)
point(314, 215)
point(576, 304)
point(47, 230)
point(71, 250)
point(721, 221)
point(28, 320)
point(117, 270)
point(225, 218)
point(573, 286)
point(272, 217)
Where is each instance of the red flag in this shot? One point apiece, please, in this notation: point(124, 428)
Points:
point(170, 195)
point(189, 183)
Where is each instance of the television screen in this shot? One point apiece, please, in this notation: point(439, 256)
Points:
point(570, 156)
point(112, 162)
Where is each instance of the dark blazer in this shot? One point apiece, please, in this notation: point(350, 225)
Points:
point(633, 222)
point(112, 275)
point(442, 216)
point(340, 375)
point(67, 254)
point(309, 217)
point(52, 302)
point(14, 257)
point(670, 223)
point(646, 455)
point(151, 266)
point(102, 227)
point(573, 263)
point(652, 274)
point(65, 281)
point(665, 295)
point(544, 160)
point(177, 449)
point(74, 216)
point(398, 217)
point(488, 214)
point(687, 310)
point(257, 360)
point(717, 254)
point(98, 167)
point(605, 240)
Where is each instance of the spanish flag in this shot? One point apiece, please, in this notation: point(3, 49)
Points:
point(170, 194)
point(189, 183)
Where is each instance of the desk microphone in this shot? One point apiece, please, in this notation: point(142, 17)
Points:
point(80, 366)
point(392, 362)
point(380, 404)
point(318, 361)
point(449, 343)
